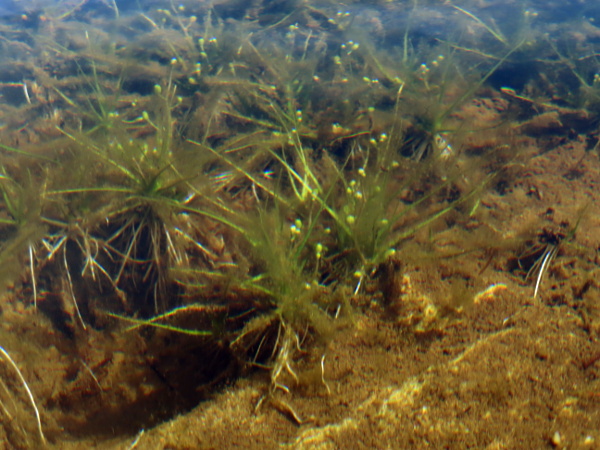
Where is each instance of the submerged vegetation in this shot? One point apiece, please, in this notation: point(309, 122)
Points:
point(225, 183)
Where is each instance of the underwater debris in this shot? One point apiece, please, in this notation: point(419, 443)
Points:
point(5, 356)
point(490, 293)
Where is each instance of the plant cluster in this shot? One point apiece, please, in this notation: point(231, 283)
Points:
point(234, 184)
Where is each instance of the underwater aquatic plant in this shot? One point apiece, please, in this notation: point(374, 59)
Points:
point(236, 190)
point(129, 210)
point(298, 220)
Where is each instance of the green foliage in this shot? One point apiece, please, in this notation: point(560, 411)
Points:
point(263, 175)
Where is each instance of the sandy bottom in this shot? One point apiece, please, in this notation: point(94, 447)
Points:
point(495, 368)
